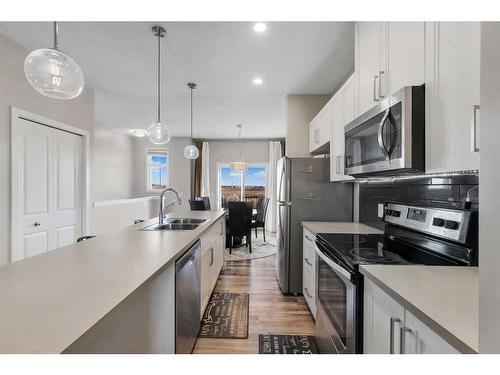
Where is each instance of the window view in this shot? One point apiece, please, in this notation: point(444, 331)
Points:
point(247, 185)
point(157, 170)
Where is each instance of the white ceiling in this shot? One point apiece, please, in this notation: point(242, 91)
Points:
point(119, 62)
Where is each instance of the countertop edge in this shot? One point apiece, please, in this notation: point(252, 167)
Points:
point(446, 335)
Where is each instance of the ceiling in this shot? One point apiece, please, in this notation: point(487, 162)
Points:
point(223, 58)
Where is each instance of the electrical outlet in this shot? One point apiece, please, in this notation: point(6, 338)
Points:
point(380, 210)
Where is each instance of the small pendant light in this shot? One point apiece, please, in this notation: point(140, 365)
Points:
point(239, 165)
point(191, 151)
point(53, 73)
point(158, 132)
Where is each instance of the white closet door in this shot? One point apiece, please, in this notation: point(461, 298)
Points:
point(66, 190)
point(47, 195)
point(36, 171)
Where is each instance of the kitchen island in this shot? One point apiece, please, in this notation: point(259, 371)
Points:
point(111, 294)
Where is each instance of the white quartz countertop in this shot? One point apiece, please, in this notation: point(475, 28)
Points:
point(444, 298)
point(346, 227)
point(48, 301)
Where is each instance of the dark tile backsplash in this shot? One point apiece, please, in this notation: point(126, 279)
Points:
point(447, 192)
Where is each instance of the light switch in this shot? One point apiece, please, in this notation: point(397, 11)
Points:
point(380, 210)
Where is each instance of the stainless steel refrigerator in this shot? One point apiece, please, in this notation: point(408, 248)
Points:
point(305, 193)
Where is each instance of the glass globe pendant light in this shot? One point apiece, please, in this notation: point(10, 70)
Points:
point(53, 73)
point(191, 151)
point(158, 132)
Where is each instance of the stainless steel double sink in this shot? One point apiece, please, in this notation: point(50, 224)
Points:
point(176, 224)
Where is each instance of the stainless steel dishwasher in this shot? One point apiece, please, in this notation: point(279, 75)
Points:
point(187, 299)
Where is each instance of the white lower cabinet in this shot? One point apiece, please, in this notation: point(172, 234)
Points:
point(212, 260)
point(389, 328)
point(309, 271)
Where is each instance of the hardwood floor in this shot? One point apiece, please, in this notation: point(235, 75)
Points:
point(270, 311)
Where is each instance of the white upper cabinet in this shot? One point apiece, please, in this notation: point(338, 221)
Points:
point(405, 55)
point(320, 130)
point(343, 106)
point(452, 96)
point(389, 56)
point(368, 48)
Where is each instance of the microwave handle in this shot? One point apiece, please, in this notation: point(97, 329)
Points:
point(380, 137)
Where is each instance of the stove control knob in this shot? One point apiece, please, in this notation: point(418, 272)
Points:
point(396, 213)
point(450, 224)
point(438, 222)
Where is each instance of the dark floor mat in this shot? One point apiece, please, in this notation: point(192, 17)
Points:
point(287, 344)
point(226, 316)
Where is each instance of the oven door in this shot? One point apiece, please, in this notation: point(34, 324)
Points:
point(336, 307)
point(380, 140)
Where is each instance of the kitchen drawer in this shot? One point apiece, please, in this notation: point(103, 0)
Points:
point(309, 291)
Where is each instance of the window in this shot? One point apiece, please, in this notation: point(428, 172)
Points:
point(247, 185)
point(157, 169)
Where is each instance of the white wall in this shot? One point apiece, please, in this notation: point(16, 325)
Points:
point(301, 109)
point(113, 164)
point(15, 91)
point(110, 151)
point(227, 151)
point(489, 191)
point(180, 167)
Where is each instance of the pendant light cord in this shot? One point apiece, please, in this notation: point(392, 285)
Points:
point(192, 114)
point(159, 76)
point(56, 30)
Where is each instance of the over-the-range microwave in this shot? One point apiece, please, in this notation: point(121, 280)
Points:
point(390, 137)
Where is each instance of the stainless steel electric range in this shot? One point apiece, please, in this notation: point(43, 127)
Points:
point(412, 235)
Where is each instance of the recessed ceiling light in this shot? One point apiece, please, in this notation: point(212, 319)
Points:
point(260, 27)
point(139, 133)
point(258, 81)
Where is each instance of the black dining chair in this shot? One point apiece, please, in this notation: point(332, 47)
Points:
point(197, 205)
point(206, 200)
point(240, 223)
point(259, 220)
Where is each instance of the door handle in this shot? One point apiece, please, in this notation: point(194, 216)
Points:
point(211, 256)
point(307, 261)
point(380, 74)
point(474, 123)
point(391, 338)
point(36, 224)
point(375, 78)
point(404, 331)
point(338, 165)
point(380, 136)
point(307, 292)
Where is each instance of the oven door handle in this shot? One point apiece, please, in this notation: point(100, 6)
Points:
point(337, 268)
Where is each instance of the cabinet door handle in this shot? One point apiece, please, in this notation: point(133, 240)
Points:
point(380, 74)
point(391, 338)
point(36, 224)
point(221, 228)
point(211, 256)
point(473, 130)
point(404, 331)
point(307, 292)
point(338, 165)
point(308, 238)
point(308, 262)
point(316, 136)
point(375, 78)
